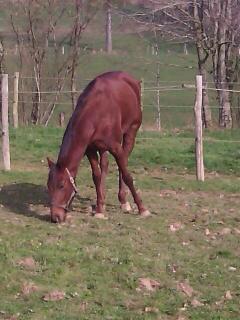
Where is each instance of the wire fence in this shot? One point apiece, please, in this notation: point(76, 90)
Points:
point(158, 105)
point(165, 104)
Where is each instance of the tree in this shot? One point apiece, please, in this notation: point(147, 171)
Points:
point(213, 25)
point(177, 20)
point(203, 55)
point(33, 23)
point(220, 40)
point(36, 26)
point(108, 40)
point(82, 13)
point(2, 68)
point(224, 41)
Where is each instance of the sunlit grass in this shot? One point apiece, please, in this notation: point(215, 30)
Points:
point(97, 264)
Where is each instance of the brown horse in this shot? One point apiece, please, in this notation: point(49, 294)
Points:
point(106, 118)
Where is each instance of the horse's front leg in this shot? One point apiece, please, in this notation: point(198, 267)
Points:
point(97, 179)
point(104, 171)
point(121, 159)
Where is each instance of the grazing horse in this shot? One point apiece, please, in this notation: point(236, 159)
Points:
point(106, 119)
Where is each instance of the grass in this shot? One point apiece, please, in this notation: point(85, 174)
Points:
point(97, 264)
point(168, 149)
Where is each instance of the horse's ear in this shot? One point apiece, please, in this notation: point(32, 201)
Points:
point(50, 163)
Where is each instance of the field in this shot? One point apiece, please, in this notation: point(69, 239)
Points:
point(181, 263)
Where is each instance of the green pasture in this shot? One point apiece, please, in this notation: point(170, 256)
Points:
point(190, 245)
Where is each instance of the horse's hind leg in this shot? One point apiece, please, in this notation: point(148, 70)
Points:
point(104, 170)
point(127, 145)
point(122, 194)
point(97, 179)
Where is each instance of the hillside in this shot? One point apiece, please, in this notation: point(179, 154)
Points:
point(133, 51)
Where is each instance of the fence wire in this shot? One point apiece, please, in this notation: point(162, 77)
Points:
point(155, 97)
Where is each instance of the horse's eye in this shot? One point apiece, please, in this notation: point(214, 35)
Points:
point(61, 186)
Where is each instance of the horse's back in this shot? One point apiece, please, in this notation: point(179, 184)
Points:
point(115, 94)
point(108, 107)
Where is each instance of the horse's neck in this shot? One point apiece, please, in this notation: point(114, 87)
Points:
point(71, 153)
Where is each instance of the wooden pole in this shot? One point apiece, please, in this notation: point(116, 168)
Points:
point(15, 99)
point(5, 133)
point(142, 94)
point(73, 93)
point(185, 49)
point(158, 100)
point(198, 130)
point(61, 119)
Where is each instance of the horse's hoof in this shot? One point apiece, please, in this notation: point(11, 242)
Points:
point(100, 216)
point(69, 218)
point(93, 209)
point(145, 214)
point(126, 207)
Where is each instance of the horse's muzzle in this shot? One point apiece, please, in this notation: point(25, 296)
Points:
point(58, 215)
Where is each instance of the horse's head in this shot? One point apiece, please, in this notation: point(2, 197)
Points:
point(61, 190)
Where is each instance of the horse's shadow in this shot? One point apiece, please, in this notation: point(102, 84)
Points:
point(22, 198)
point(27, 199)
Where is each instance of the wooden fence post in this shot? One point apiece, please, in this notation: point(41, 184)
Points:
point(142, 95)
point(198, 130)
point(158, 100)
point(15, 99)
point(5, 133)
point(61, 119)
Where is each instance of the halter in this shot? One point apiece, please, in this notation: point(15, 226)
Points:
point(74, 192)
point(72, 180)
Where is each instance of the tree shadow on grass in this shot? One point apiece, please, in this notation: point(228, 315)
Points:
point(29, 200)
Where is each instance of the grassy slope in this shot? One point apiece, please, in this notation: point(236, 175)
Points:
point(131, 53)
